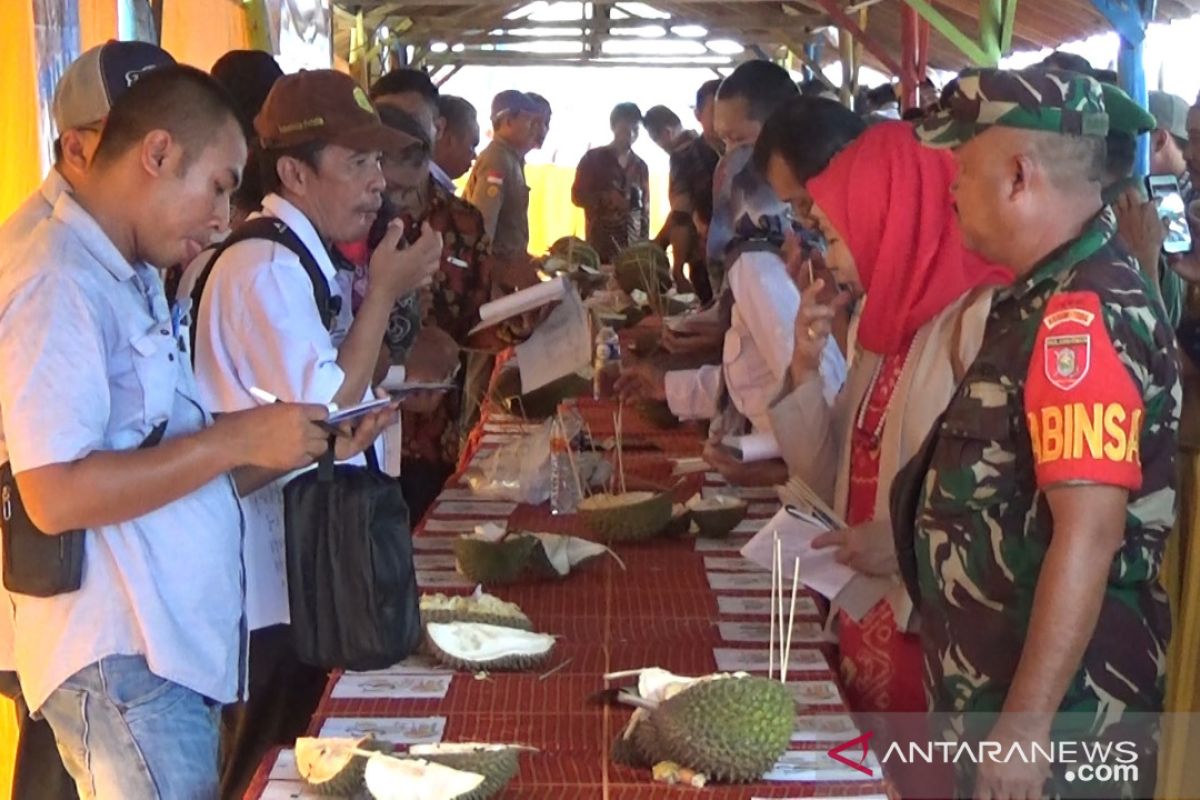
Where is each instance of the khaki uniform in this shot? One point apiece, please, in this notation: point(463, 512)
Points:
point(497, 188)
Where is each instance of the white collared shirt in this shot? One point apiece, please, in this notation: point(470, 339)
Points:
point(91, 362)
point(258, 326)
point(440, 176)
point(757, 348)
point(20, 224)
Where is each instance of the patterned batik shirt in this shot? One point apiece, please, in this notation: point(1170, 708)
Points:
point(615, 200)
point(1077, 382)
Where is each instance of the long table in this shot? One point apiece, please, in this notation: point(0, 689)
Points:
point(690, 606)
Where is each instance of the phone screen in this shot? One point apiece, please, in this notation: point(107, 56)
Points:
point(1164, 190)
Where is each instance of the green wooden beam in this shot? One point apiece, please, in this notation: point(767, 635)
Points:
point(948, 29)
point(1010, 22)
point(991, 24)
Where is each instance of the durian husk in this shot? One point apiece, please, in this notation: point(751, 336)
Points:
point(732, 729)
point(638, 262)
point(576, 251)
point(495, 563)
point(521, 623)
point(349, 780)
point(646, 517)
point(497, 767)
point(510, 663)
point(716, 523)
point(540, 403)
point(681, 521)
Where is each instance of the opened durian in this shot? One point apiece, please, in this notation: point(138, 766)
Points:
point(731, 728)
point(576, 252)
point(334, 766)
point(643, 266)
point(390, 778)
point(716, 516)
point(522, 556)
point(497, 763)
point(473, 647)
point(478, 607)
point(627, 517)
point(681, 521)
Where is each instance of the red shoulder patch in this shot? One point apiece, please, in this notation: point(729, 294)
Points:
point(1083, 408)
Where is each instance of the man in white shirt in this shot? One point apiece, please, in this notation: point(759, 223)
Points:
point(258, 325)
point(82, 99)
point(130, 667)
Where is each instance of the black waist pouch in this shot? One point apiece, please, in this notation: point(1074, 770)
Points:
point(35, 563)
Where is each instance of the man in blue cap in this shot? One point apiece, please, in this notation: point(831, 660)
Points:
point(497, 184)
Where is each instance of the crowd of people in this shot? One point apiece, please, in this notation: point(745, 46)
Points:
point(961, 329)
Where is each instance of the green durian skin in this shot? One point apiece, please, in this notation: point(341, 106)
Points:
point(495, 563)
point(733, 730)
point(576, 251)
point(631, 523)
point(497, 768)
point(717, 523)
point(636, 263)
point(521, 623)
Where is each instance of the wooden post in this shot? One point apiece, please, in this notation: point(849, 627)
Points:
point(846, 50)
point(258, 25)
point(910, 81)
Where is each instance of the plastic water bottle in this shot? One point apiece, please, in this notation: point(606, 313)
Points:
point(564, 491)
point(607, 364)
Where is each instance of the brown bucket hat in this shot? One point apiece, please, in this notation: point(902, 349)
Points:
point(324, 105)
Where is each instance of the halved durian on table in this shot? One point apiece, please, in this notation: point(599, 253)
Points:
point(477, 607)
point(628, 516)
point(475, 647)
point(716, 516)
point(394, 778)
point(335, 767)
point(523, 556)
point(497, 763)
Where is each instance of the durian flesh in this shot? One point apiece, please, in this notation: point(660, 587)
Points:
point(334, 766)
point(476, 647)
point(478, 607)
point(390, 778)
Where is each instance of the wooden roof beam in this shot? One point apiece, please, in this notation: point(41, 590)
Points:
point(846, 22)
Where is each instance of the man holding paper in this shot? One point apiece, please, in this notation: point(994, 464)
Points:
point(259, 326)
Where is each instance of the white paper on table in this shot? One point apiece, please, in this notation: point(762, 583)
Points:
point(814, 693)
point(287, 790)
point(744, 581)
point(762, 510)
point(759, 446)
point(730, 564)
point(451, 525)
point(434, 561)
point(430, 579)
point(761, 606)
point(824, 728)
point(688, 466)
point(715, 479)
point(401, 730)
point(802, 659)
point(284, 768)
point(457, 493)
point(392, 687)
point(426, 543)
point(721, 545)
point(480, 508)
point(818, 766)
point(749, 526)
point(517, 303)
point(560, 345)
point(413, 665)
point(744, 492)
point(803, 631)
point(819, 570)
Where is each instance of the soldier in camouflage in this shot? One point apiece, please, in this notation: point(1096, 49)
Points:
point(1050, 490)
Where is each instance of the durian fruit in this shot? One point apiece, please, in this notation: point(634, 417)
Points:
point(626, 517)
point(716, 516)
point(497, 763)
point(391, 778)
point(472, 647)
point(495, 563)
point(576, 252)
point(478, 607)
point(681, 521)
point(543, 402)
point(562, 553)
point(730, 728)
point(334, 766)
point(643, 266)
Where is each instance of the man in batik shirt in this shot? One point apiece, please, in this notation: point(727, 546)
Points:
point(612, 186)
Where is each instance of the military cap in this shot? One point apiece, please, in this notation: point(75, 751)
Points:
point(1124, 115)
point(1033, 99)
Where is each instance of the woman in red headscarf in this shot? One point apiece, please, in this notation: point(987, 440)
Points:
point(885, 209)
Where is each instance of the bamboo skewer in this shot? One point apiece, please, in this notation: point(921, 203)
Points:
point(774, 575)
point(787, 651)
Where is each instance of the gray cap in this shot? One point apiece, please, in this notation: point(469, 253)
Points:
point(93, 82)
point(1171, 113)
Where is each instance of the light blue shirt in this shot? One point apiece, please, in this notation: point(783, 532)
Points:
point(91, 362)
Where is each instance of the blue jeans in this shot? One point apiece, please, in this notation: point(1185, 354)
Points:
point(126, 734)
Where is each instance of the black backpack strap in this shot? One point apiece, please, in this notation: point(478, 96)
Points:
point(273, 230)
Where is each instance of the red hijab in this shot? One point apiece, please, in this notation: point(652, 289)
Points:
point(889, 198)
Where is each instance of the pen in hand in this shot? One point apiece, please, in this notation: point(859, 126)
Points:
point(263, 396)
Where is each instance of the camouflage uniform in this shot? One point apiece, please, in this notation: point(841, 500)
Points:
point(1077, 382)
